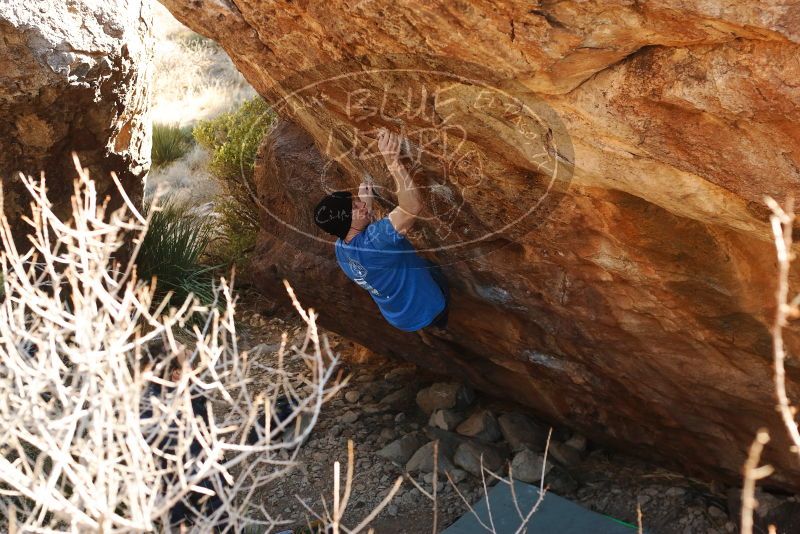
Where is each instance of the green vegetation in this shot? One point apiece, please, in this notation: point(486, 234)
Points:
point(172, 250)
point(233, 140)
point(176, 247)
point(170, 143)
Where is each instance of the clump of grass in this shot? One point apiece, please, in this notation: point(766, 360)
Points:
point(194, 39)
point(170, 143)
point(233, 140)
point(172, 251)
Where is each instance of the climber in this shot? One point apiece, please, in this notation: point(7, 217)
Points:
point(410, 292)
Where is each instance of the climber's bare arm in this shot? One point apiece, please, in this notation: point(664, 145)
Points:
point(409, 204)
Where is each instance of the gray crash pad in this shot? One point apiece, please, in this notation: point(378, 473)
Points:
point(555, 514)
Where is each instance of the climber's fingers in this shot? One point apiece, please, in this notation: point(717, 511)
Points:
point(389, 144)
point(364, 190)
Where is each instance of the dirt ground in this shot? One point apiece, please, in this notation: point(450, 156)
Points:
point(383, 409)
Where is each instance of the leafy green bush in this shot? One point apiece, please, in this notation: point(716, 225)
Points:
point(238, 234)
point(171, 252)
point(233, 140)
point(170, 143)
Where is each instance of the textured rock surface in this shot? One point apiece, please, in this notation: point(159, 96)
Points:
point(423, 460)
point(637, 308)
point(446, 419)
point(74, 77)
point(401, 450)
point(473, 457)
point(482, 425)
point(529, 466)
point(521, 433)
point(564, 454)
point(443, 396)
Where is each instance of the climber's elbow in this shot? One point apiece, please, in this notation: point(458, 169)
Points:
point(403, 219)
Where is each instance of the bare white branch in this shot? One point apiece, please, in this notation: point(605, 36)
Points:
point(782, 221)
point(119, 413)
point(753, 473)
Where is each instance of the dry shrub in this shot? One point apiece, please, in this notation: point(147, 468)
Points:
point(782, 221)
point(97, 434)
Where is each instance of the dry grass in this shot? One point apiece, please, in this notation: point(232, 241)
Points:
point(194, 78)
point(187, 180)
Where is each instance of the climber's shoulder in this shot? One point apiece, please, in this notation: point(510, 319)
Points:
point(383, 234)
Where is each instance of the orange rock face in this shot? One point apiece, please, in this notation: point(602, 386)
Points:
point(594, 175)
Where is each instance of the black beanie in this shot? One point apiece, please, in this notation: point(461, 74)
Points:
point(334, 213)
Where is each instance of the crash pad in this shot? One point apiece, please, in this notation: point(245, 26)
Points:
point(555, 514)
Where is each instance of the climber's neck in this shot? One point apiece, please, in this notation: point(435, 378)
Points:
point(352, 234)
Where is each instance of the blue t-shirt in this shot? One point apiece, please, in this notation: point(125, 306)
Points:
point(385, 263)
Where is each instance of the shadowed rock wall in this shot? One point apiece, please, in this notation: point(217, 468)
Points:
point(74, 79)
point(593, 174)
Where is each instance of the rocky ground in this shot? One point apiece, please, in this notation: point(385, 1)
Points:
point(393, 412)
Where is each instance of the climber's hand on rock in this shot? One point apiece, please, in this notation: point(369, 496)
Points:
point(389, 145)
point(365, 195)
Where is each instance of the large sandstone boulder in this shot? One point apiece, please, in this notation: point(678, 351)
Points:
point(594, 175)
point(74, 79)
